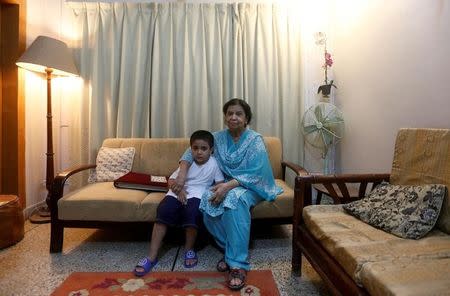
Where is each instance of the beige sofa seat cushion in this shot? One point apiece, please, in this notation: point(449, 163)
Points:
point(354, 244)
point(422, 156)
point(147, 211)
point(101, 202)
point(335, 228)
point(282, 207)
point(408, 276)
point(436, 245)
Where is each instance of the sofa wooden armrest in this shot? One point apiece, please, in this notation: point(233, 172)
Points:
point(298, 170)
point(56, 237)
point(61, 178)
point(303, 243)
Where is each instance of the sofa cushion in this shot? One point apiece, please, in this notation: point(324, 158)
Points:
point(422, 156)
point(147, 210)
point(101, 202)
point(282, 207)
point(407, 276)
point(408, 211)
point(112, 163)
point(355, 244)
point(334, 228)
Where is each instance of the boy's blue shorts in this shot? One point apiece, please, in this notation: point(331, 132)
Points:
point(173, 213)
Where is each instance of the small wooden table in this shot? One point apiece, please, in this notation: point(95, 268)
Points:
point(11, 221)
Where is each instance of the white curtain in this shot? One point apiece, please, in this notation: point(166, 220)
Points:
point(166, 69)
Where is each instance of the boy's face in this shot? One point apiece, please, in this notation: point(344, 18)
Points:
point(201, 151)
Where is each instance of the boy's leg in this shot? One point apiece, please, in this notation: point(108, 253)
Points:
point(191, 236)
point(191, 219)
point(159, 231)
point(166, 215)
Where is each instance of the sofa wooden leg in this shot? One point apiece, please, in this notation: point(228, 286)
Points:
point(56, 238)
point(296, 261)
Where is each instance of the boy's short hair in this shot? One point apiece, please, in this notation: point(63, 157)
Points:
point(202, 135)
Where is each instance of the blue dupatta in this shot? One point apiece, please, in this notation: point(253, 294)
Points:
point(247, 162)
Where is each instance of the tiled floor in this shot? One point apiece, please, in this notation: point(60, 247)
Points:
point(28, 268)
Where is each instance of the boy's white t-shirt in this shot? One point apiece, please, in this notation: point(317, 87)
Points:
point(199, 178)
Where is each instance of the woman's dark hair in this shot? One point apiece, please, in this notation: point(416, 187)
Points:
point(202, 135)
point(243, 104)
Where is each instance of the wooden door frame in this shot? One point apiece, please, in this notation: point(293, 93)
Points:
point(12, 99)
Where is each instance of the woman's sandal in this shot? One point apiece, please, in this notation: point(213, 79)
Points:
point(236, 273)
point(191, 256)
point(222, 266)
point(144, 266)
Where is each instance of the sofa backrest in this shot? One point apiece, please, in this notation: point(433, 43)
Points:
point(422, 156)
point(159, 156)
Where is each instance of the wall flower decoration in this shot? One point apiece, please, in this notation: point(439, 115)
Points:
point(321, 40)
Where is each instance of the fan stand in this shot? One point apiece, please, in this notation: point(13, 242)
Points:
point(325, 161)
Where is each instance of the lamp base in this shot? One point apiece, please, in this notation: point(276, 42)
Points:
point(40, 216)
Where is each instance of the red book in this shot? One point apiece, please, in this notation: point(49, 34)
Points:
point(142, 182)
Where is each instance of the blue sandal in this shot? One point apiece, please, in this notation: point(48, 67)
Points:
point(144, 264)
point(192, 256)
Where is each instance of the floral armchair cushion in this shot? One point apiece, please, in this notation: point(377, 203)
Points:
point(407, 211)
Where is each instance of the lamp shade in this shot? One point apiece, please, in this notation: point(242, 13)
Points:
point(48, 53)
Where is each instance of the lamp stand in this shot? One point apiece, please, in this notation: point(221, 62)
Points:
point(43, 214)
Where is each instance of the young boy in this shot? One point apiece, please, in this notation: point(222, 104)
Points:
point(183, 209)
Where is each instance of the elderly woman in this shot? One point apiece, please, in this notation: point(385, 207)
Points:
point(242, 157)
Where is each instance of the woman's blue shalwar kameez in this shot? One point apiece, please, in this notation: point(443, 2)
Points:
point(229, 222)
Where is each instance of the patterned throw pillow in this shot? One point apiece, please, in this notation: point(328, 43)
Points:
point(112, 163)
point(407, 211)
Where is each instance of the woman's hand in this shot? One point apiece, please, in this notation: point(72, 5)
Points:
point(220, 191)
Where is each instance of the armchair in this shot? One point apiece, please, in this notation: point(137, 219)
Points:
point(354, 258)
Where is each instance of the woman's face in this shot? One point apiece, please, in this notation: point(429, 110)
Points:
point(235, 118)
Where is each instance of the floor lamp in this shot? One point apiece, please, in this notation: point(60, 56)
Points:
point(52, 57)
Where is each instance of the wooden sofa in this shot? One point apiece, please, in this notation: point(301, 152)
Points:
point(100, 205)
point(354, 258)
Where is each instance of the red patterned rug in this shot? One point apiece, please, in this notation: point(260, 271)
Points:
point(259, 282)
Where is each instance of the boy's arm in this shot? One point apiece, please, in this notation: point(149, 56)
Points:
point(179, 181)
point(182, 195)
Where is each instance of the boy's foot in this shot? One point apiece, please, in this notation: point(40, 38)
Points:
point(222, 266)
point(144, 266)
point(236, 278)
point(190, 259)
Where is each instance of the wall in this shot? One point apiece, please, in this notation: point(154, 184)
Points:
point(391, 68)
point(51, 18)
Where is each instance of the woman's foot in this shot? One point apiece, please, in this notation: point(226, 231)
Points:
point(222, 266)
point(190, 259)
point(236, 278)
point(144, 266)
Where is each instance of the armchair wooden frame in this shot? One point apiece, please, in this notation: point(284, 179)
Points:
point(304, 243)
